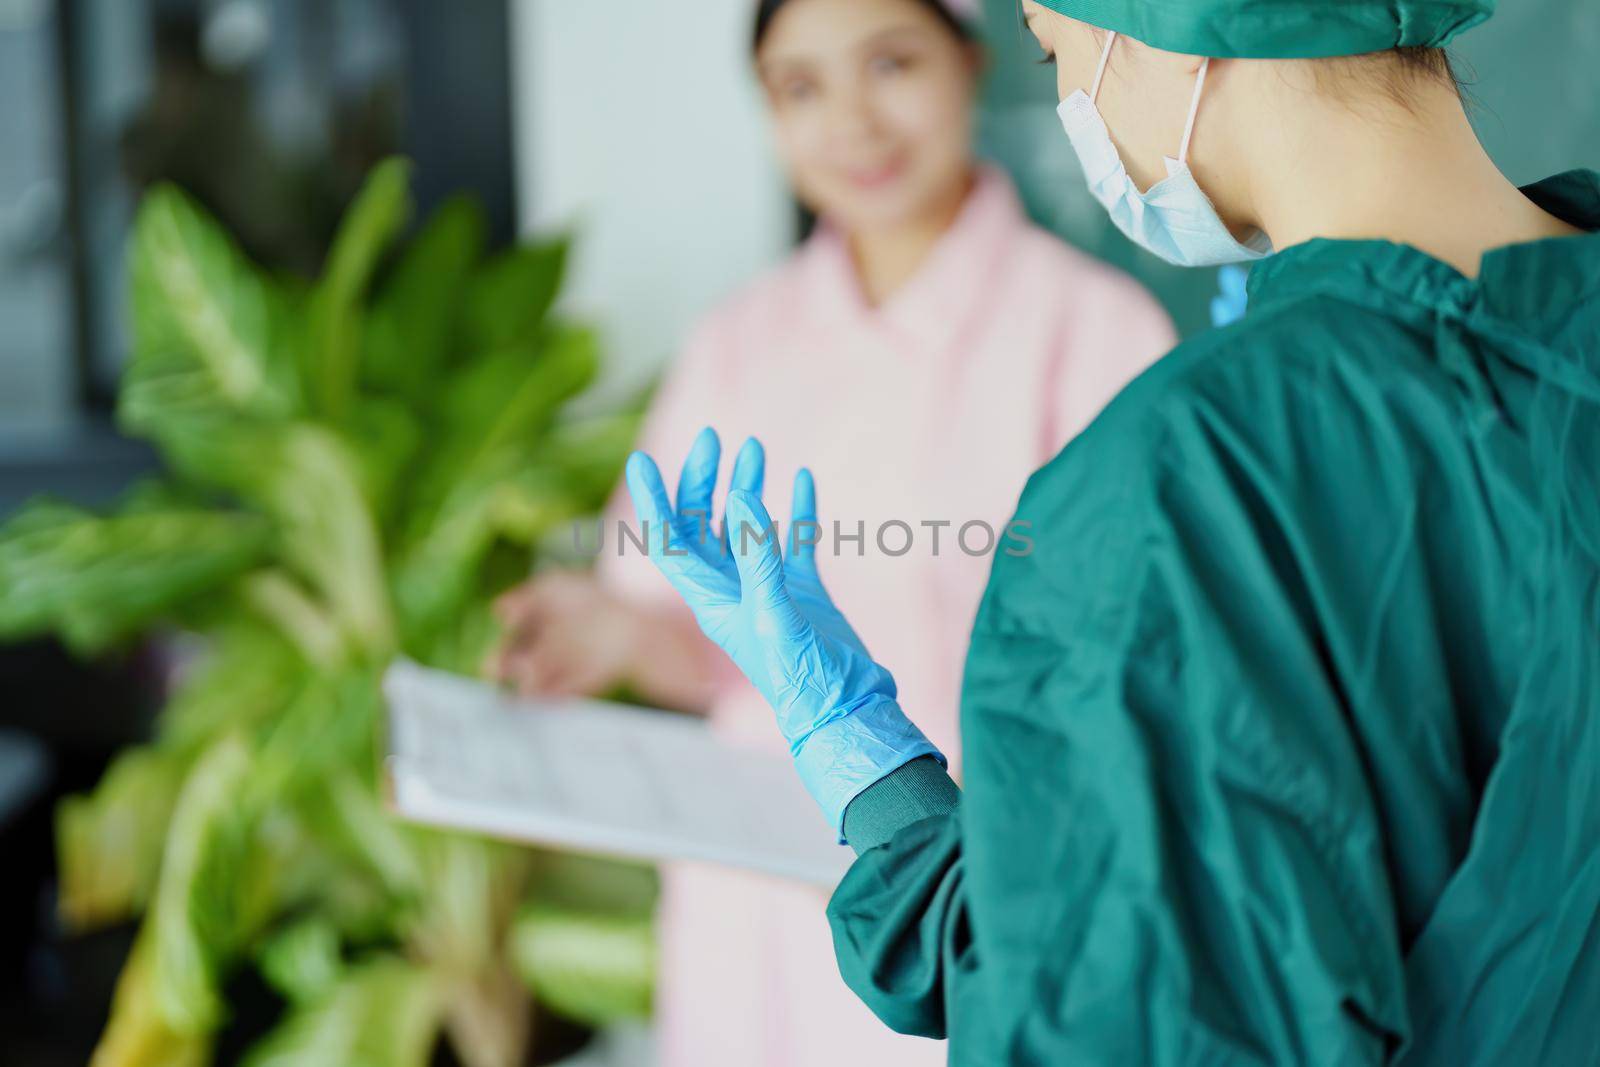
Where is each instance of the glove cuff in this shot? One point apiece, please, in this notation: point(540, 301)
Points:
point(844, 757)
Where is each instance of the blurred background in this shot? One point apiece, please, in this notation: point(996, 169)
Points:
point(635, 128)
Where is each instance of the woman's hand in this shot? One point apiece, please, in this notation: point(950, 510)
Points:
point(769, 611)
point(564, 635)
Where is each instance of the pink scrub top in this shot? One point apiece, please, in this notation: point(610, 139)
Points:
point(933, 407)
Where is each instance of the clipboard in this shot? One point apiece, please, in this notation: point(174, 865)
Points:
point(596, 777)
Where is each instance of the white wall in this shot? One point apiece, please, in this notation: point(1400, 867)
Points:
point(638, 123)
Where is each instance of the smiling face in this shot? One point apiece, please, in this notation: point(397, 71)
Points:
point(871, 101)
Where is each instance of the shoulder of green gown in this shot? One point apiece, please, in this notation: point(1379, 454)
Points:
point(1255, 399)
point(1315, 352)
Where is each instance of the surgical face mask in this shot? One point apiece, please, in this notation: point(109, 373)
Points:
point(1175, 219)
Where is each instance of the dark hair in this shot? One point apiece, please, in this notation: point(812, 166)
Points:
point(1396, 73)
point(767, 10)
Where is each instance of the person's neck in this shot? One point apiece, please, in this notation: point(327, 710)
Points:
point(1417, 177)
point(887, 258)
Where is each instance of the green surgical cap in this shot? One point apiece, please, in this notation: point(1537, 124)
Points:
point(1280, 29)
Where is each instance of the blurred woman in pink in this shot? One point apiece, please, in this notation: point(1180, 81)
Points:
point(930, 297)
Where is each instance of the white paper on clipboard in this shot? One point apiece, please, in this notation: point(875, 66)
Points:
point(597, 777)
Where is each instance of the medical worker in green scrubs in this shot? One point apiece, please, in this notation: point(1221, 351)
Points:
point(1283, 740)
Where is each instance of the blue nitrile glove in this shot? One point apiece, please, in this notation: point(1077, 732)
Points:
point(772, 616)
point(1232, 299)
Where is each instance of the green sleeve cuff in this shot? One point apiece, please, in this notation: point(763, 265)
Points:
point(917, 790)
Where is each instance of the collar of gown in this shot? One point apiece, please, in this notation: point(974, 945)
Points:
point(1534, 285)
point(954, 282)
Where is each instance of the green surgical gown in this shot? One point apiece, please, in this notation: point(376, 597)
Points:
point(1282, 744)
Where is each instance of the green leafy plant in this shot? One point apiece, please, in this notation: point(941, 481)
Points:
point(356, 466)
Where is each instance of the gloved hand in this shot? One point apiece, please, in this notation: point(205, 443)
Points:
point(1233, 295)
point(835, 706)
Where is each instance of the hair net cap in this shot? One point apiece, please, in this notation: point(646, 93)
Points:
point(1280, 29)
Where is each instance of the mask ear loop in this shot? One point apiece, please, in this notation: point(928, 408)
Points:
point(1100, 72)
point(1194, 109)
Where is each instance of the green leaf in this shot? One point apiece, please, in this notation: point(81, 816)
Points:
point(109, 843)
point(494, 415)
point(332, 723)
point(379, 213)
point(588, 965)
point(472, 888)
point(309, 872)
point(384, 1013)
point(42, 515)
point(305, 478)
point(385, 429)
point(590, 453)
point(326, 882)
point(512, 396)
point(413, 320)
point(196, 919)
point(437, 575)
point(584, 941)
point(211, 336)
point(302, 960)
point(137, 1034)
point(462, 646)
point(511, 295)
point(611, 886)
point(96, 580)
point(328, 533)
point(275, 596)
point(487, 478)
point(385, 437)
point(355, 822)
point(162, 494)
point(216, 452)
point(247, 674)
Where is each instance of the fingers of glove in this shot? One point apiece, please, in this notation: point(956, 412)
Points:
point(691, 575)
point(755, 541)
point(749, 469)
point(749, 476)
point(697, 484)
point(649, 493)
point(804, 530)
